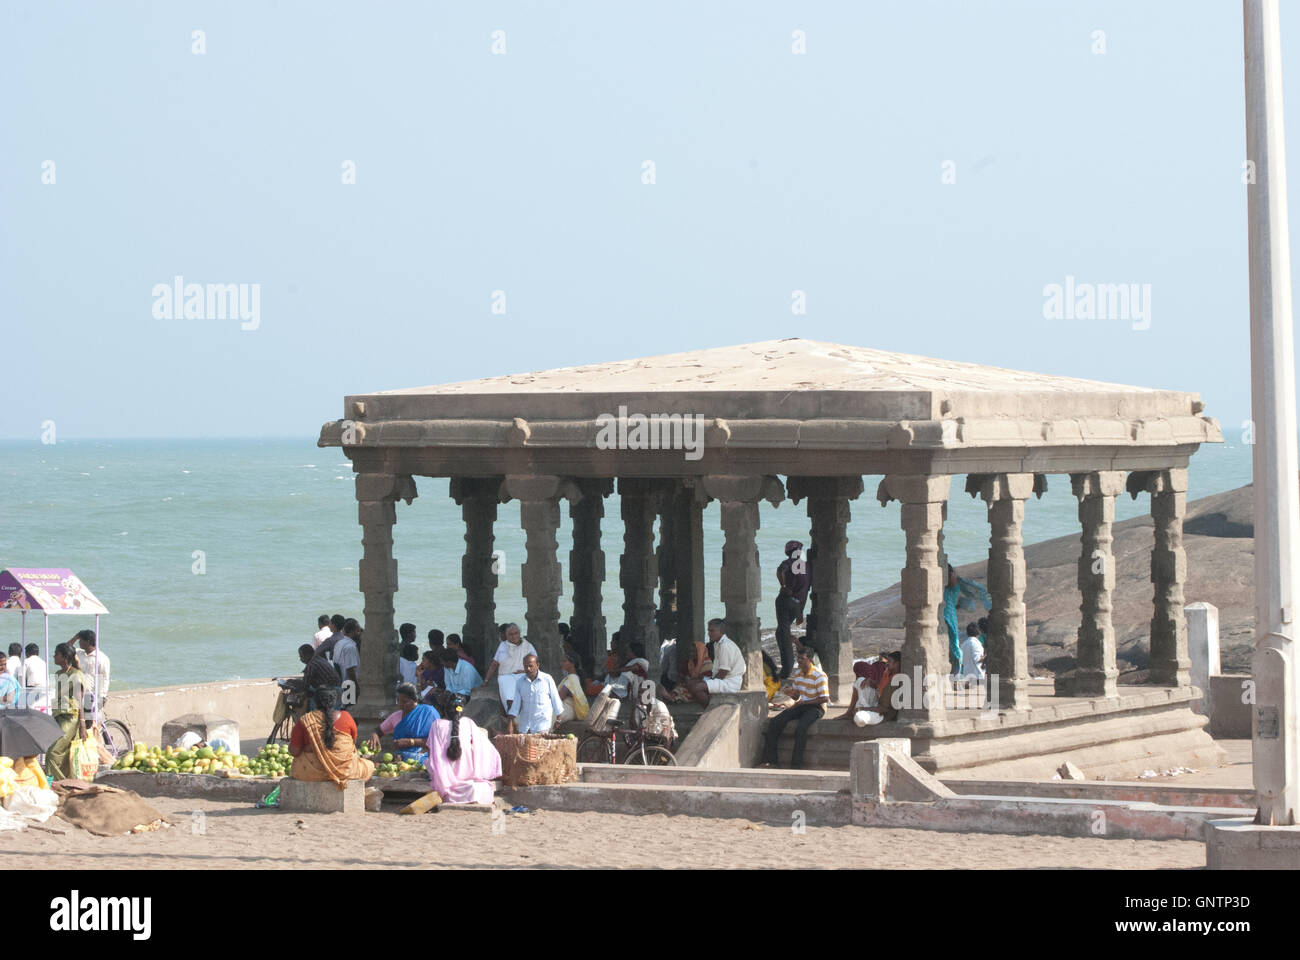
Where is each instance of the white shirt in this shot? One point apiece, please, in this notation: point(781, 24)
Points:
point(35, 679)
point(406, 670)
point(727, 656)
point(97, 670)
point(511, 656)
point(971, 651)
point(346, 655)
point(323, 634)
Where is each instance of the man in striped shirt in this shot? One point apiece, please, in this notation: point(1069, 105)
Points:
point(811, 691)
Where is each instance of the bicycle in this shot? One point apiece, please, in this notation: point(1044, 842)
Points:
point(645, 749)
point(293, 704)
point(116, 738)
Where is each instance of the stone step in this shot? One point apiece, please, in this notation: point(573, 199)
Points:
point(784, 807)
point(744, 777)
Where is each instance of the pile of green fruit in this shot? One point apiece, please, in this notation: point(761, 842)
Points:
point(272, 760)
point(175, 760)
point(389, 766)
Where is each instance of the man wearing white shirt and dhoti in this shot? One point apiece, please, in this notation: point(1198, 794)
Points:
point(728, 667)
point(507, 664)
point(537, 703)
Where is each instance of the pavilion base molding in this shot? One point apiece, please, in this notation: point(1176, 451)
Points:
point(1145, 728)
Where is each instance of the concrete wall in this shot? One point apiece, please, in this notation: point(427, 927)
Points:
point(1229, 716)
point(247, 702)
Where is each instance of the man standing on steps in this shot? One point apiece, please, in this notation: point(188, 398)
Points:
point(792, 574)
point(812, 692)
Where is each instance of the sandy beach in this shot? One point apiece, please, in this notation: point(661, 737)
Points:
point(238, 836)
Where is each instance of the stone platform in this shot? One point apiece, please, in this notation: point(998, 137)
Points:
point(1144, 728)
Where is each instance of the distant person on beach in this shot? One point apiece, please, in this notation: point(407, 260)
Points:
point(70, 683)
point(727, 671)
point(507, 664)
point(537, 703)
point(409, 725)
point(436, 642)
point(430, 674)
point(10, 688)
point(35, 678)
point(572, 695)
point(462, 760)
point(347, 660)
point(960, 593)
point(811, 692)
point(408, 663)
point(458, 676)
point(454, 642)
point(97, 667)
point(323, 630)
point(871, 689)
point(337, 623)
point(972, 654)
point(793, 577)
point(323, 745)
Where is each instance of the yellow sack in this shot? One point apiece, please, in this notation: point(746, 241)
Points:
point(83, 757)
point(8, 782)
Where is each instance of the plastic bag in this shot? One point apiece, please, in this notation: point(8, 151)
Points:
point(83, 757)
point(32, 803)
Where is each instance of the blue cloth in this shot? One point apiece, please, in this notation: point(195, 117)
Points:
point(461, 680)
point(415, 726)
point(9, 687)
point(537, 703)
point(964, 596)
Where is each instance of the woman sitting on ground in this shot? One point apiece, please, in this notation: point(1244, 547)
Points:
point(572, 694)
point(462, 761)
point(323, 745)
point(69, 683)
point(409, 725)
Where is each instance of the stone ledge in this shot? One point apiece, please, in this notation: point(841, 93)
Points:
point(1241, 844)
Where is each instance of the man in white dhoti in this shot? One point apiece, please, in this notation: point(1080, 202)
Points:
point(508, 663)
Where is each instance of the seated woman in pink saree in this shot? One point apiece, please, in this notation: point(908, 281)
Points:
point(462, 761)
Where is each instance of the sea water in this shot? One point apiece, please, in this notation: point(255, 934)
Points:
point(214, 557)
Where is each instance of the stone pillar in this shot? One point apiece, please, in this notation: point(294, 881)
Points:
point(925, 645)
point(539, 513)
point(741, 577)
point(1203, 651)
point(829, 513)
point(639, 567)
point(587, 568)
point(1097, 672)
point(688, 547)
point(1007, 657)
point(377, 496)
point(477, 498)
point(1168, 488)
point(666, 615)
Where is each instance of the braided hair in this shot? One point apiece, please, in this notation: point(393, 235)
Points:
point(326, 701)
point(450, 708)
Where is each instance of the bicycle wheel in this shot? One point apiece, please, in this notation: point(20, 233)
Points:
point(593, 750)
point(652, 756)
point(116, 737)
point(280, 733)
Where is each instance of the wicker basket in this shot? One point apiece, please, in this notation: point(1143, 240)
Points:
point(533, 759)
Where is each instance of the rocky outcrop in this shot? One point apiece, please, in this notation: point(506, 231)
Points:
point(1219, 540)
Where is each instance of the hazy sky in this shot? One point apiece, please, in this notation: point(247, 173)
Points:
point(523, 172)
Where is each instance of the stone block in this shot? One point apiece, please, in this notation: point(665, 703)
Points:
point(1068, 771)
point(1241, 844)
point(300, 796)
point(1203, 652)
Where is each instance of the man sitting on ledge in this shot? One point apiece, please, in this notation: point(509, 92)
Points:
point(812, 692)
point(728, 667)
point(323, 745)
